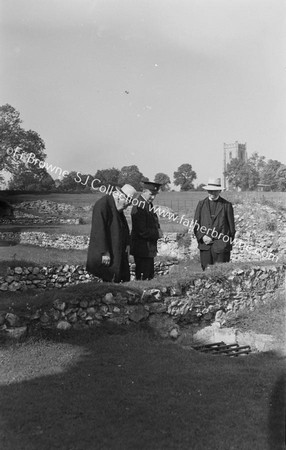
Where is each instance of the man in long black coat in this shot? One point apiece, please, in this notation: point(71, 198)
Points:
point(214, 226)
point(145, 232)
point(109, 244)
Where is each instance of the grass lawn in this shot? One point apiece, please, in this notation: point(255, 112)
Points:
point(123, 388)
point(28, 255)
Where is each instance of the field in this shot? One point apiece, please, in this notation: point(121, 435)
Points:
point(179, 202)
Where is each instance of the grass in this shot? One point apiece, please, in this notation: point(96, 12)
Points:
point(124, 388)
point(28, 255)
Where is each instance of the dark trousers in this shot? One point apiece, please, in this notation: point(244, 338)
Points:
point(209, 257)
point(124, 270)
point(144, 268)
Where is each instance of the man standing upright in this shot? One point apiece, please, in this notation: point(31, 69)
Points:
point(109, 243)
point(214, 226)
point(145, 232)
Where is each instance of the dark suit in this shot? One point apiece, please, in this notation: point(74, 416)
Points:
point(109, 233)
point(216, 220)
point(144, 237)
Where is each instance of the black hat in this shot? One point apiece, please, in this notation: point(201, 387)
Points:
point(153, 187)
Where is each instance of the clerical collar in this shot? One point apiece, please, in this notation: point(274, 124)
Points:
point(213, 200)
point(148, 201)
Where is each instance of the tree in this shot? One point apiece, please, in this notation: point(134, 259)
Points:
point(184, 177)
point(200, 187)
point(242, 175)
point(257, 162)
point(270, 172)
point(281, 178)
point(164, 180)
point(131, 175)
point(107, 176)
point(75, 182)
point(31, 181)
point(16, 144)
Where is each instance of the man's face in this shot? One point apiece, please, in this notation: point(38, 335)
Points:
point(213, 195)
point(149, 196)
point(122, 202)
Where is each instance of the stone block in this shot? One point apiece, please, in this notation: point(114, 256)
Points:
point(16, 333)
point(63, 325)
point(163, 324)
point(137, 313)
point(84, 304)
point(108, 298)
point(151, 295)
point(12, 320)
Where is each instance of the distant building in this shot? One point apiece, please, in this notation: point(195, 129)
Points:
point(231, 151)
point(263, 187)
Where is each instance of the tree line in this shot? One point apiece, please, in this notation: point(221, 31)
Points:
point(256, 170)
point(31, 174)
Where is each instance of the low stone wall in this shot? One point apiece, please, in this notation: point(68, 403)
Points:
point(198, 302)
point(22, 278)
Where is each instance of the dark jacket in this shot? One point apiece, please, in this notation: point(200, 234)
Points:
point(145, 230)
point(109, 233)
point(221, 228)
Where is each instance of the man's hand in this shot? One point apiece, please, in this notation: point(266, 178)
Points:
point(130, 257)
point(207, 240)
point(105, 259)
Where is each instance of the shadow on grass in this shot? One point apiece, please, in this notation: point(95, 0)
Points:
point(277, 415)
point(123, 388)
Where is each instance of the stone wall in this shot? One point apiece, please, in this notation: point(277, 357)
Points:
point(198, 302)
point(22, 278)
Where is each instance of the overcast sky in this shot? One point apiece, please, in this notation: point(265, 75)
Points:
point(155, 83)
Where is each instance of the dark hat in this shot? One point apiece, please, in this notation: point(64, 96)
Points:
point(153, 187)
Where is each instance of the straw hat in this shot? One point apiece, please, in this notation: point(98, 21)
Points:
point(128, 191)
point(214, 184)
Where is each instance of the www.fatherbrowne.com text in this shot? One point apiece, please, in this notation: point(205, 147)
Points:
point(212, 232)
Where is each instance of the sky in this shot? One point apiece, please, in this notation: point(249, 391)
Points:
point(152, 83)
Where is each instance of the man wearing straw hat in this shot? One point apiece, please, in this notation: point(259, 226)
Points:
point(214, 226)
point(109, 244)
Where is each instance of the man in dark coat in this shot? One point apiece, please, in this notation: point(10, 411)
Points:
point(109, 244)
point(145, 232)
point(214, 226)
